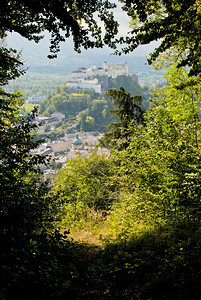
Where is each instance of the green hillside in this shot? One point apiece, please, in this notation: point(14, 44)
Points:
point(131, 86)
point(90, 108)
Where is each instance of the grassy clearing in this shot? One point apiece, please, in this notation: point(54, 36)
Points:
point(101, 228)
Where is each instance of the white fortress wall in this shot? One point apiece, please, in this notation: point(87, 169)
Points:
point(116, 69)
point(85, 84)
point(85, 78)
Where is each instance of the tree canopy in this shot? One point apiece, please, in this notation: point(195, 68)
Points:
point(62, 19)
point(174, 23)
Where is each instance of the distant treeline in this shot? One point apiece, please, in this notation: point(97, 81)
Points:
point(37, 84)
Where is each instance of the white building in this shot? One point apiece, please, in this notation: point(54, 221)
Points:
point(87, 78)
point(88, 84)
point(58, 116)
point(116, 69)
point(79, 74)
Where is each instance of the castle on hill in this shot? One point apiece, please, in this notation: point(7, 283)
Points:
point(97, 78)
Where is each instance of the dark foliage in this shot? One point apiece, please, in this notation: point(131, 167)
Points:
point(128, 111)
point(62, 18)
point(174, 23)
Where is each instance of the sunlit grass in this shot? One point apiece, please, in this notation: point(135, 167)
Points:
point(98, 228)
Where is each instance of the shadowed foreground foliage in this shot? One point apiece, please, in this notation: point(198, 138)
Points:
point(162, 264)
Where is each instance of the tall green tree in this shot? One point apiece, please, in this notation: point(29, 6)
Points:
point(129, 110)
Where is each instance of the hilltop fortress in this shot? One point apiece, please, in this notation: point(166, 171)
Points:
point(97, 78)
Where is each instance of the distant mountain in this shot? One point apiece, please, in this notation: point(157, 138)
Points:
point(35, 56)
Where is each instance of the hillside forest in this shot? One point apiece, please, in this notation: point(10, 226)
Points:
point(90, 109)
point(123, 225)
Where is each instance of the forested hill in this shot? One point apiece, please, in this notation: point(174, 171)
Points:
point(90, 108)
point(129, 84)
